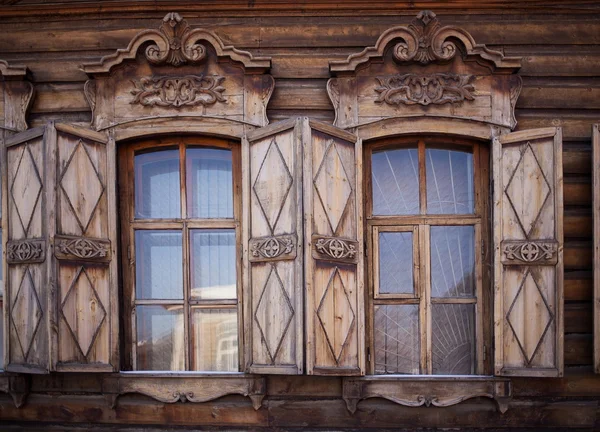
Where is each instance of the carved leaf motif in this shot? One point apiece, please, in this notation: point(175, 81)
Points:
point(189, 90)
point(336, 248)
point(272, 247)
point(25, 251)
point(529, 252)
point(83, 248)
point(436, 89)
point(424, 30)
point(180, 48)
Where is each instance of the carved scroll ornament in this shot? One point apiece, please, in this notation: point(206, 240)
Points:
point(436, 89)
point(180, 49)
point(22, 251)
point(277, 247)
point(529, 252)
point(336, 248)
point(82, 248)
point(177, 92)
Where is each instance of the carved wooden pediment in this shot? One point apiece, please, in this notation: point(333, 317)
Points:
point(177, 78)
point(16, 96)
point(425, 69)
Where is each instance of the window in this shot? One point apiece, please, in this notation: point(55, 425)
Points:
point(181, 222)
point(427, 223)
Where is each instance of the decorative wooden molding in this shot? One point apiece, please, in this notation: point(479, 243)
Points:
point(335, 248)
point(89, 91)
point(26, 251)
point(525, 252)
point(17, 386)
point(426, 391)
point(12, 71)
point(18, 96)
point(436, 89)
point(176, 92)
point(170, 388)
point(175, 44)
point(425, 41)
point(81, 248)
point(273, 248)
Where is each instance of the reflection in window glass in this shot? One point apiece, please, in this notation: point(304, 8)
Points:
point(449, 181)
point(215, 340)
point(157, 193)
point(160, 338)
point(453, 339)
point(397, 346)
point(213, 264)
point(452, 261)
point(209, 183)
point(396, 263)
point(158, 265)
point(395, 182)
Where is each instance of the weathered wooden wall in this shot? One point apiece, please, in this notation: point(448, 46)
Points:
point(560, 47)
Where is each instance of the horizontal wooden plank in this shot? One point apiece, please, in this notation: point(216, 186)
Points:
point(578, 224)
point(300, 94)
point(559, 97)
point(580, 385)
point(134, 409)
point(578, 255)
point(381, 413)
point(577, 192)
point(579, 317)
point(577, 125)
point(574, 63)
point(578, 349)
point(579, 286)
point(304, 386)
point(358, 31)
point(577, 159)
point(57, 98)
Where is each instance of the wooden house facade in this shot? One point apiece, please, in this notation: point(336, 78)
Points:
point(316, 215)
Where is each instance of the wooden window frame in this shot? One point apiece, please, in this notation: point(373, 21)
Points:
point(129, 224)
point(420, 226)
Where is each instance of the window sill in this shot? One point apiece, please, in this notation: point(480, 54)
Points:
point(436, 390)
point(16, 385)
point(171, 387)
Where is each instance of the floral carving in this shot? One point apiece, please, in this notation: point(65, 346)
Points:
point(25, 251)
point(83, 248)
point(437, 89)
point(272, 247)
point(425, 48)
point(180, 47)
point(528, 251)
point(336, 248)
point(176, 92)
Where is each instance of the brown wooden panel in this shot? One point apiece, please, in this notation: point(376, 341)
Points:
point(578, 255)
point(579, 317)
point(578, 224)
point(579, 349)
point(528, 209)
point(579, 286)
point(577, 192)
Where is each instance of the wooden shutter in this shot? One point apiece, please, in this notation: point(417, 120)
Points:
point(62, 278)
point(334, 251)
point(272, 221)
point(85, 265)
point(27, 292)
point(596, 215)
point(528, 243)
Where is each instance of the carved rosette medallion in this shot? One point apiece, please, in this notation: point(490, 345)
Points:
point(529, 252)
point(270, 248)
point(189, 90)
point(335, 248)
point(82, 248)
point(436, 89)
point(26, 251)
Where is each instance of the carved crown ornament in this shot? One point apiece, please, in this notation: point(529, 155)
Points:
point(175, 43)
point(430, 73)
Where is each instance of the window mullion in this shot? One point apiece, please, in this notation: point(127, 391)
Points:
point(425, 296)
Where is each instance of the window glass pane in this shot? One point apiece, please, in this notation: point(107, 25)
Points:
point(157, 193)
point(397, 346)
point(158, 265)
point(449, 181)
point(395, 178)
point(396, 262)
point(452, 261)
point(213, 264)
point(214, 339)
point(453, 339)
point(1, 335)
point(209, 183)
point(160, 341)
